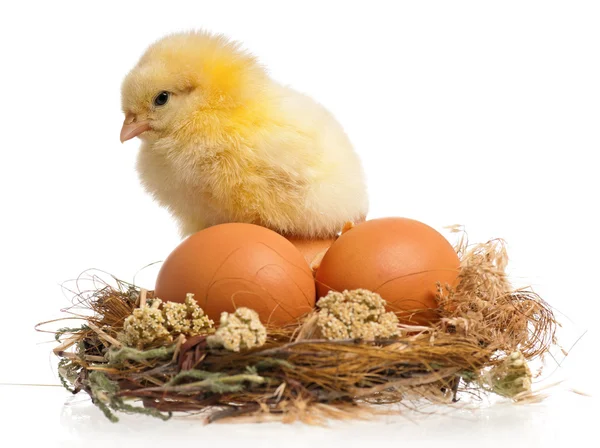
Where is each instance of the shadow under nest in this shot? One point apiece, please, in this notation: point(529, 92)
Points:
point(486, 335)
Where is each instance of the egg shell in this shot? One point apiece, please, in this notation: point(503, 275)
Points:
point(399, 258)
point(234, 265)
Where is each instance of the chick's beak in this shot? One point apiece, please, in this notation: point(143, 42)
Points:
point(132, 128)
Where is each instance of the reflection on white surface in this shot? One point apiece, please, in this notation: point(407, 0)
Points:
point(56, 418)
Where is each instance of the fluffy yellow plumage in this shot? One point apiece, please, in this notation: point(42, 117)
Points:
point(223, 142)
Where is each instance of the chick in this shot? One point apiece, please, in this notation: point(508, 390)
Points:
point(223, 142)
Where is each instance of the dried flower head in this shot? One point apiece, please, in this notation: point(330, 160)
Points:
point(239, 331)
point(186, 318)
point(511, 377)
point(355, 314)
point(144, 326)
point(164, 321)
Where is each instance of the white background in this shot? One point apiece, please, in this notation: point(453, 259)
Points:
point(479, 113)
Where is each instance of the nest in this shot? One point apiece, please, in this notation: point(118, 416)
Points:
point(487, 334)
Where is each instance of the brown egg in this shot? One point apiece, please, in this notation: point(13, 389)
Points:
point(312, 249)
point(239, 265)
point(399, 258)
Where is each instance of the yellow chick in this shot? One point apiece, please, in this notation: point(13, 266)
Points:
point(223, 142)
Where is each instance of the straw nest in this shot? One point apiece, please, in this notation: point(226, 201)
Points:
point(487, 334)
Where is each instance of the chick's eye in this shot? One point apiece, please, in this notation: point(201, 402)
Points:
point(161, 99)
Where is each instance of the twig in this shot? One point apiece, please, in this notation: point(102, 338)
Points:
point(116, 356)
point(143, 293)
point(180, 341)
point(58, 350)
point(209, 383)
